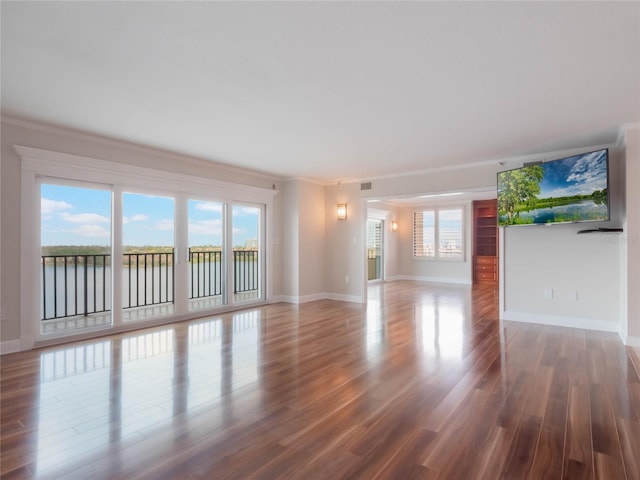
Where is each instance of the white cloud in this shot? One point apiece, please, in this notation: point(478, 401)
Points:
point(164, 224)
point(209, 207)
point(206, 227)
point(48, 206)
point(237, 210)
point(84, 218)
point(588, 169)
point(138, 217)
point(91, 231)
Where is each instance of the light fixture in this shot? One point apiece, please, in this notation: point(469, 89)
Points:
point(394, 226)
point(342, 211)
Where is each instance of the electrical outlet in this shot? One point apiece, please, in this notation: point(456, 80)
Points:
point(548, 293)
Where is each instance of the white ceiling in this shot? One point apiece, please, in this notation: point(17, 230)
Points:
point(328, 90)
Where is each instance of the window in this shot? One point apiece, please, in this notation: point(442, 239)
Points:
point(438, 233)
point(81, 213)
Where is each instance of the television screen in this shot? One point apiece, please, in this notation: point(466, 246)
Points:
point(572, 189)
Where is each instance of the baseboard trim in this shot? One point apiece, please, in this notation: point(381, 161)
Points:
point(10, 346)
point(344, 298)
point(561, 321)
point(281, 299)
point(631, 341)
point(314, 297)
point(448, 280)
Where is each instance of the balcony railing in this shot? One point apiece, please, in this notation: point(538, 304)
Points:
point(245, 271)
point(206, 273)
point(75, 285)
point(149, 279)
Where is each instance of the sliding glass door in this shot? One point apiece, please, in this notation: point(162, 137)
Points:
point(148, 266)
point(97, 273)
point(75, 257)
point(207, 278)
point(246, 228)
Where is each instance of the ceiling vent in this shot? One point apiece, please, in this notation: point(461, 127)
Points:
point(365, 186)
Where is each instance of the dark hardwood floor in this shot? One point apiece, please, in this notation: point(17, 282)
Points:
point(422, 383)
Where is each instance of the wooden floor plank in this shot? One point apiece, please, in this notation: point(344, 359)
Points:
point(422, 383)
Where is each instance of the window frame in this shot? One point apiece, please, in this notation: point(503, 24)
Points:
point(119, 178)
point(436, 257)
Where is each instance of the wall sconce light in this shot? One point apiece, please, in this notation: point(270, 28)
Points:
point(342, 211)
point(394, 226)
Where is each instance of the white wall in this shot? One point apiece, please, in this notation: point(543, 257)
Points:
point(557, 258)
point(345, 244)
point(556, 276)
point(66, 141)
point(536, 258)
point(303, 245)
point(311, 243)
point(290, 265)
point(345, 239)
point(631, 239)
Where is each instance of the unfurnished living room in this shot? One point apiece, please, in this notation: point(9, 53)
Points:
point(320, 240)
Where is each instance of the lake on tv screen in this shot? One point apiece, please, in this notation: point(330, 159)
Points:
point(577, 212)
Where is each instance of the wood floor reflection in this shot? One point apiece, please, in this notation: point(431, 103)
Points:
point(421, 383)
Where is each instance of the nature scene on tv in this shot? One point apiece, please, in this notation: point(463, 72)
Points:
point(572, 189)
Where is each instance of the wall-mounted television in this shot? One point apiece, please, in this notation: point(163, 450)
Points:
point(571, 189)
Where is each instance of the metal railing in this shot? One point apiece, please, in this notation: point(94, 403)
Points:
point(150, 279)
point(206, 273)
point(75, 285)
point(245, 271)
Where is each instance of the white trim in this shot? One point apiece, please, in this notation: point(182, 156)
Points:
point(136, 147)
point(501, 270)
point(631, 341)
point(37, 163)
point(448, 280)
point(314, 297)
point(30, 244)
point(88, 169)
point(464, 207)
point(624, 129)
point(10, 346)
point(502, 161)
point(282, 299)
point(561, 321)
point(344, 298)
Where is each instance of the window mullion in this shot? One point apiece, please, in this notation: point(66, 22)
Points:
point(116, 259)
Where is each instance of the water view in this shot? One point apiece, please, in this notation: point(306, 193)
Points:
point(581, 211)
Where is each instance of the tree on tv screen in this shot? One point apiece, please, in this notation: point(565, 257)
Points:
point(517, 188)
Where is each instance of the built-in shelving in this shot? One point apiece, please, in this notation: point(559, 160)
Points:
point(485, 241)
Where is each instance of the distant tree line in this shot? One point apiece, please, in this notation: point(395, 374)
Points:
point(134, 254)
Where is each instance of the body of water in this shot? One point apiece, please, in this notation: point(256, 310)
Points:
point(204, 279)
point(574, 212)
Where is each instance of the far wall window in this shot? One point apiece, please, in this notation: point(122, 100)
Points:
point(438, 233)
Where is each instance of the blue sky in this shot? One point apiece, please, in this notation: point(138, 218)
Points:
point(82, 216)
point(577, 175)
point(449, 222)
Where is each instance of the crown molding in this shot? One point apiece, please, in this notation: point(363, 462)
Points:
point(139, 148)
point(624, 129)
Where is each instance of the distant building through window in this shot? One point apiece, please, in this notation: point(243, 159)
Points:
point(438, 233)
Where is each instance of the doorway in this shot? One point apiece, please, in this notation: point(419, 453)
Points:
point(375, 250)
